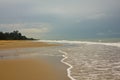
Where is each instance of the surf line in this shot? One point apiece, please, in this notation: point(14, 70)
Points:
point(70, 66)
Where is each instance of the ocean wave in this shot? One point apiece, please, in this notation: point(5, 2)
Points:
point(70, 66)
point(79, 42)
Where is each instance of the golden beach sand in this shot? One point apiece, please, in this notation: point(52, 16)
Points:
point(8, 44)
point(26, 69)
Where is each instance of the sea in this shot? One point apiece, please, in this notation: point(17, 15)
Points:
point(86, 59)
point(90, 59)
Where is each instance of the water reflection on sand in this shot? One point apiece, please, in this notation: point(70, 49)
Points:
point(49, 55)
point(89, 61)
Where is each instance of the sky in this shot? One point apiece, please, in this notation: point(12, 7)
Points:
point(61, 19)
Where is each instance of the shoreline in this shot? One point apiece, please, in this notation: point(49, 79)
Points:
point(6, 45)
point(70, 66)
point(33, 68)
point(64, 56)
point(14, 68)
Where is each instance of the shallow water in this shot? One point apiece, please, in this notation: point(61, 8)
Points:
point(94, 62)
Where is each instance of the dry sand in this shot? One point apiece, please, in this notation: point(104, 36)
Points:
point(8, 44)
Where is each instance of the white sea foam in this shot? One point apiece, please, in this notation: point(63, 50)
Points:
point(79, 42)
point(88, 63)
point(70, 66)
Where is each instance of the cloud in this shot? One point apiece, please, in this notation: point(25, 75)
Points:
point(100, 34)
point(59, 17)
point(34, 30)
point(65, 9)
point(97, 16)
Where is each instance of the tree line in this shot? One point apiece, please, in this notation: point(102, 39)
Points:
point(15, 35)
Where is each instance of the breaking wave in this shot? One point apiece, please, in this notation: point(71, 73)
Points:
point(80, 42)
point(90, 60)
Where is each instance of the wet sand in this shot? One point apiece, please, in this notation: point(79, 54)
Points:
point(9, 44)
point(29, 69)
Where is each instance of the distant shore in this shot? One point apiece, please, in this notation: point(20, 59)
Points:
point(9, 44)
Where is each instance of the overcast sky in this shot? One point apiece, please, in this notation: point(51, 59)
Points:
point(61, 19)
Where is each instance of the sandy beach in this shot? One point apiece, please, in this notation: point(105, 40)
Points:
point(9, 44)
point(26, 69)
point(30, 68)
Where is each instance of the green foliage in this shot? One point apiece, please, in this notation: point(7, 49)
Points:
point(15, 35)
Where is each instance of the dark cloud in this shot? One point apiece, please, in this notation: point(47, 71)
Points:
point(66, 18)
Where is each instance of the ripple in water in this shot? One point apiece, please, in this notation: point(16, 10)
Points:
point(94, 62)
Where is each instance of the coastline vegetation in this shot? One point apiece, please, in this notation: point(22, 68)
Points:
point(15, 35)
